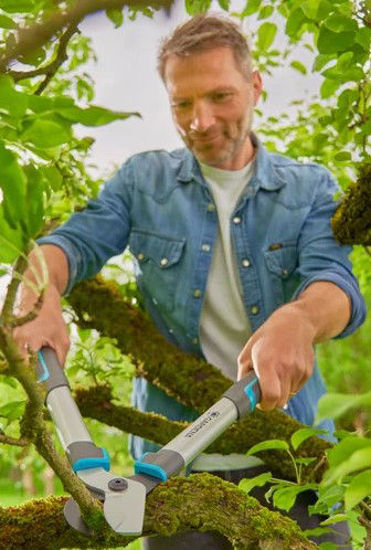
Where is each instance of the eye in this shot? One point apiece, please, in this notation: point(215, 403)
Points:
point(181, 104)
point(219, 97)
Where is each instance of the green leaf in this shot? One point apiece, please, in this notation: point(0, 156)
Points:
point(258, 481)
point(252, 6)
point(13, 410)
point(13, 102)
point(343, 155)
point(224, 4)
point(13, 184)
point(294, 22)
point(93, 116)
point(116, 16)
point(316, 10)
point(328, 546)
point(285, 497)
point(345, 61)
point(7, 22)
point(321, 60)
point(329, 87)
point(47, 133)
point(265, 12)
point(11, 240)
point(340, 23)
point(363, 37)
point(332, 42)
point(34, 200)
point(298, 67)
point(317, 532)
point(33, 57)
point(337, 518)
point(335, 405)
point(358, 460)
point(197, 6)
point(302, 435)
point(268, 445)
point(358, 489)
point(17, 6)
point(266, 36)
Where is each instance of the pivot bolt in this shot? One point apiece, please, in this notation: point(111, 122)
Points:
point(118, 484)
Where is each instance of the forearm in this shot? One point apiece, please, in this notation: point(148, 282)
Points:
point(57, 267)
point(325, 307)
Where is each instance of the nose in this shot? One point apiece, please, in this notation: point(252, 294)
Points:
point(202, 117)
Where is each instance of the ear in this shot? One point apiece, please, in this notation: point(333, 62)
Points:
point(257, 85)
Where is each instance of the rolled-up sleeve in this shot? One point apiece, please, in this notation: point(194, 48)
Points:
point(322, 258)
point(89, 238)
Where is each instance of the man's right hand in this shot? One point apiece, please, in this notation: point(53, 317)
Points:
point(49, 327)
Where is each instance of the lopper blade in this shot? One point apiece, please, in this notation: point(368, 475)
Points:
point(125, 512)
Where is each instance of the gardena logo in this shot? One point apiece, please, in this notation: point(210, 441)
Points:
point(209, 418)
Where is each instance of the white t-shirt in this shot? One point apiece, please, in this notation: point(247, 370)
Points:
point(224, 326)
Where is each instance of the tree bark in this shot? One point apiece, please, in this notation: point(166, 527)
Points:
point(201, 502)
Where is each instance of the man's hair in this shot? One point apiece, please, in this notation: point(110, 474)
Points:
point(205, 32)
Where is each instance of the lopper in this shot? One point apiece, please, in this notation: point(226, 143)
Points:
point(124, 498)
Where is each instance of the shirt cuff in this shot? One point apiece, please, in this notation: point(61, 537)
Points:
point(357, 306)
point(70, 251)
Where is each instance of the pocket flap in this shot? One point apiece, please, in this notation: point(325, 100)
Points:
point(282, 261)
point(164, 251)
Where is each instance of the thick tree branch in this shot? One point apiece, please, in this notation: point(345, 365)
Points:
point(201, 502)
point(16, 441)
point(100, 305)
point(35, 36)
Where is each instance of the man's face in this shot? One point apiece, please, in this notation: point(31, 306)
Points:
point(212, 104)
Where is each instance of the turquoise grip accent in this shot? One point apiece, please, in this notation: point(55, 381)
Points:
point(93, 462)
point(45, 372)
point(250, 393)
point(150, 469)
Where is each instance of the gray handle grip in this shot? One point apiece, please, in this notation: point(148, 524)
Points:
point(49, 370)
point(245, 394)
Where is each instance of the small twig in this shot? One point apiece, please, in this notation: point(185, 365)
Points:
point(31, 315)
point(15, 441)
point(317, 467)
point(7, 310)
point(51, 68)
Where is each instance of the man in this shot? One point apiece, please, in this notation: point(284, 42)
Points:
point(235, 256)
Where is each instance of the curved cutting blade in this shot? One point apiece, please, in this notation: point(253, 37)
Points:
point(74, 519)
point(124, 512)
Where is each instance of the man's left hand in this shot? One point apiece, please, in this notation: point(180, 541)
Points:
point(282, 355)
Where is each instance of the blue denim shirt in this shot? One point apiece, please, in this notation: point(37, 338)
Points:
point(161, 207)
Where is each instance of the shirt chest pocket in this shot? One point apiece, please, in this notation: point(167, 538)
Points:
point(282, 261)
point(158, 266)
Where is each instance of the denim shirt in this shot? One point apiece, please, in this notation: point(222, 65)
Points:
point(160, 206)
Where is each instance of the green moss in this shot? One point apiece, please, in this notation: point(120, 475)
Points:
point(351, 223)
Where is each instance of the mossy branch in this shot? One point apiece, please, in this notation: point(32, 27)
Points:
point(201, 502)
point(351, 223)
point(100, 305)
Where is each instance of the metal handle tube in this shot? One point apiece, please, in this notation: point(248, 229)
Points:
point(201, 433)
point(62, 407)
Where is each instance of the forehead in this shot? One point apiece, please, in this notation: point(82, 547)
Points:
point(216, 67)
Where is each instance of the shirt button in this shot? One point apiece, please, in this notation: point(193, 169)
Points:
point(197, 293)
point(164, 261)
point(284, 272)
point(254, 310)
point(140, 256)
point(245, 262)
point(210, 207)
point(236, 219)
point(205, 248)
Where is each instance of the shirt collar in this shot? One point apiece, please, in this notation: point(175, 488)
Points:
point(265, 175)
